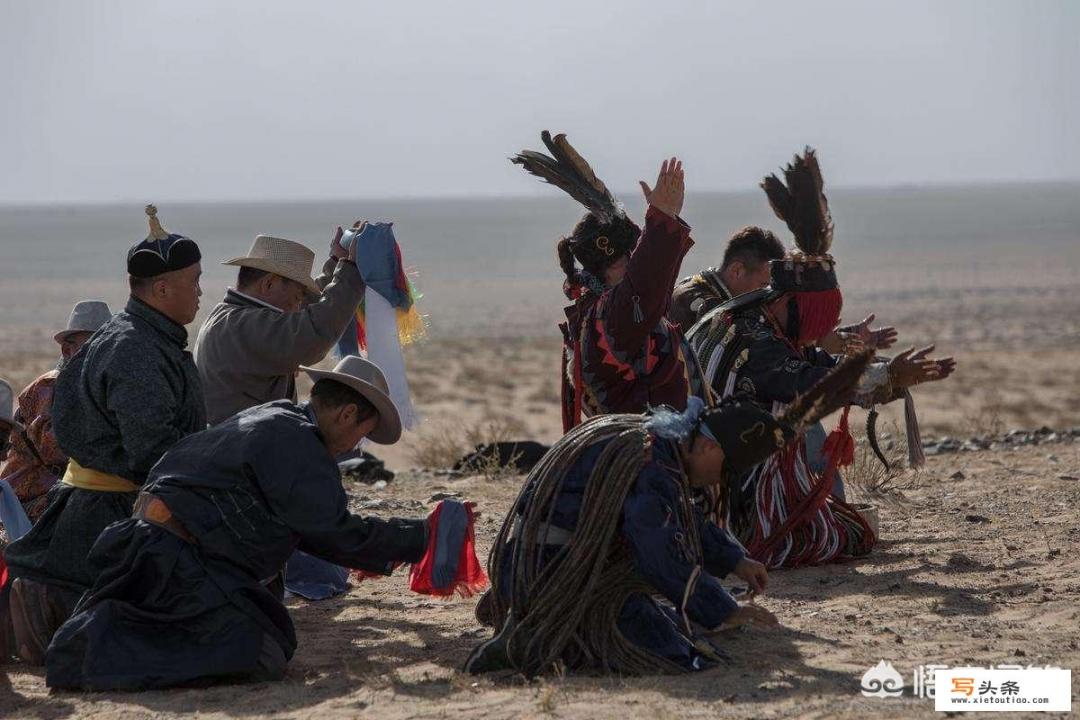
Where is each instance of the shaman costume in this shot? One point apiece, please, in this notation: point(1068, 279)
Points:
point(620, 353)
point(128, 395)
point(605, 562)
point(783, 510)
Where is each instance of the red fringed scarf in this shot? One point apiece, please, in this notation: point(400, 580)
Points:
point(819, 314)
point(470, 578)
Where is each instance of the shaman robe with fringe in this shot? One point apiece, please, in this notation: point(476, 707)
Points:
point(618, 348)
point(742, 354)
point(250, 490)
point(662, 555)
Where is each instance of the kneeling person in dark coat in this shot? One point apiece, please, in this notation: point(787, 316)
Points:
point(179, 597)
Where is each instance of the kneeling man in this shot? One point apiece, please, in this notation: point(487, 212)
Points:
point(179, 597)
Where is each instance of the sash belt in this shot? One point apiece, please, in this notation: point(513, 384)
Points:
point(153, 510)
point(88, 479)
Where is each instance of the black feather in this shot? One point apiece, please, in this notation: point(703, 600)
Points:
point(568, 171)
point(802, 204)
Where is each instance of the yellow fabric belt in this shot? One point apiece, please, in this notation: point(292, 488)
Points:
point(87, 479)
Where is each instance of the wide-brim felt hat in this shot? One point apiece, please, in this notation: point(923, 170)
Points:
point(366, 378)
point(286, 258)
point(86, 316)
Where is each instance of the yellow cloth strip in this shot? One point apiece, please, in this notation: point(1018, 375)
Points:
point(87, 479)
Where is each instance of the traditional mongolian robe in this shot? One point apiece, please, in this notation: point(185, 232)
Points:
point(782, 510)
point(675, 554)
point(35, 461)
point(248, 351)
point(620, 354)
point(168, 609)
point(127, 396)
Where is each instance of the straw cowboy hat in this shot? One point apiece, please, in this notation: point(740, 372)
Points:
point(366, 378)
point(286, 258)
point(86, 316)
point(7, 405)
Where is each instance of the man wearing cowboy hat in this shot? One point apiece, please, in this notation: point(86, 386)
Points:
point(180, 599)
point(128, 395)
point(36, 461)
point(250, 347)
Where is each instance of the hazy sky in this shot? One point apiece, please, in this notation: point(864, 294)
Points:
point(202, 99)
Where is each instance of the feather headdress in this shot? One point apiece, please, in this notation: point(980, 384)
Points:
point(568, 171)
point(802, 205)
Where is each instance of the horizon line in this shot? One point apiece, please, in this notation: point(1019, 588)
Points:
point(480, 195)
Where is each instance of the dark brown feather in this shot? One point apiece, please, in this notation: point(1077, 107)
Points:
point(802, 204)
point(831, 393)
point(568, 171)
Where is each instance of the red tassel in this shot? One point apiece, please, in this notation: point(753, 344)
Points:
point(3, 572)
point(470, 578)
point(840, 446)
point(819, 314)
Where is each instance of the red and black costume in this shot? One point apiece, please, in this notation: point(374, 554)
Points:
point(620, 353)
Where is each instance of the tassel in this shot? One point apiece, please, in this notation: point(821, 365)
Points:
point(840, 446)
point(434, 575)
point(410, 324)
point(3, 573)
point(819, 313)
point(916, 456)
point(639, 316)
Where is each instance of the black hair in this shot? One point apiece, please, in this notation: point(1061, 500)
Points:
point(596, 245)
point(248, 276)
point(330, 394)
point(752, 246)
point(140, 286)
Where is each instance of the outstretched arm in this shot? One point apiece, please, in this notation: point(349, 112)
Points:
point(635, 306)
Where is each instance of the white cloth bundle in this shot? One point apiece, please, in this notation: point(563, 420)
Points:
point(384, 349)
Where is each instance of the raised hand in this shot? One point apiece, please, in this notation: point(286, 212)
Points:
point(336, 251)
point(946, 367)
point(911, 368)
point(667, 195)
point(358, 227)
point(877, 338)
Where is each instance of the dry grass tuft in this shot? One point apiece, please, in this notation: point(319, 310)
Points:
point(869, 478)
point(442, 445)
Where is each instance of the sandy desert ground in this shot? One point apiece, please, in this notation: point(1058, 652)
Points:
point(940, 588)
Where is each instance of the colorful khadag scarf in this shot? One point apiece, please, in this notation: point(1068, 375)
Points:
point(387, 318)
point(378, 256)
